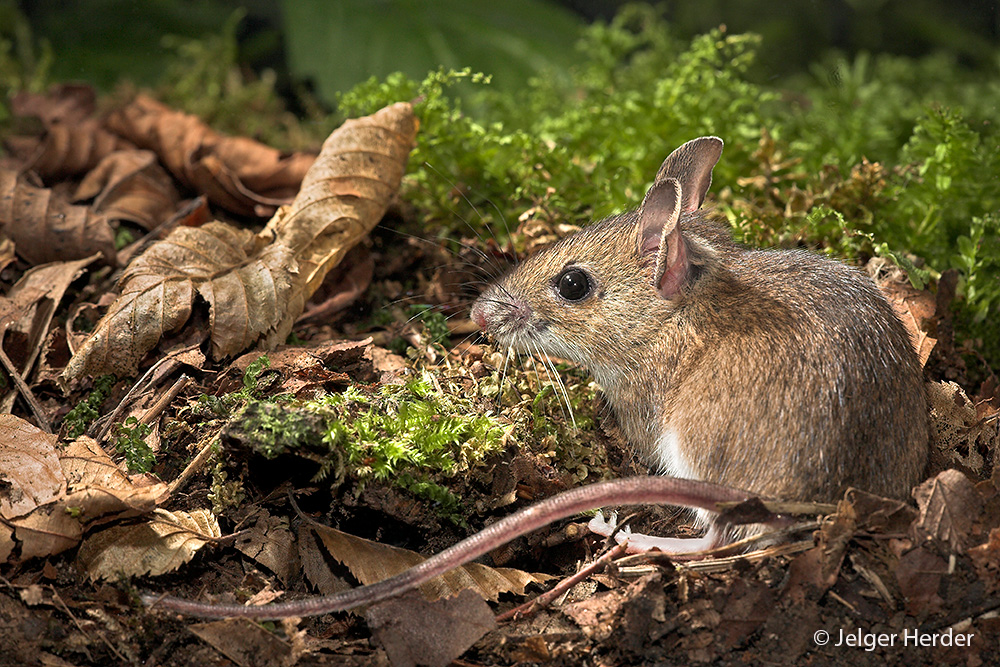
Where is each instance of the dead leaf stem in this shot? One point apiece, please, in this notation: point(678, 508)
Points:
point(22, 386)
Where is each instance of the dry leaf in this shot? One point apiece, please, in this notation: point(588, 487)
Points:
point(918, 574)
point(244, 642)
point(949, 505)
point(157, 546)
point(64, 103)
point(271, 544)
point(32, 302)
point(246, 292)
point(239, 174)
point(132, 186)
point(97, 491)
point(30, 474)
point(915, 308)
point(47, 228)
point(414, 631)
point(371, 562)
point(73, 142)
point(986, 559)
point(957, 428)
point(344, 195)
point(256, 287)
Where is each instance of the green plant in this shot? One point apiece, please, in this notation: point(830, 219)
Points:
point(131, 443)
point(86, 411)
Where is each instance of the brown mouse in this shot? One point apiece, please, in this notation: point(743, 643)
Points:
point(776, 371)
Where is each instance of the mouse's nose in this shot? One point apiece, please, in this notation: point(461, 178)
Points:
point(478, 316)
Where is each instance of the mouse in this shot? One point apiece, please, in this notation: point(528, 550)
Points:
point(736, 373)
point(780, 372)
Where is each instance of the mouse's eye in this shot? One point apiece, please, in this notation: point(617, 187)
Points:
point(573, 284)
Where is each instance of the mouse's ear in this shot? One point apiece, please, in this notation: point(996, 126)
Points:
point(659, 236)
point(692, 164)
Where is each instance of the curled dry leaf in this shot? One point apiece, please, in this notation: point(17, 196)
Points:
point(246, 291)
point(73, 142)
point(64, 151)
point(371, 562)
point(344, 195)
point(239, 174)
point(256, 287)
point(132, 186)
point(30, 474)
point(47, 228)
point(157, 546)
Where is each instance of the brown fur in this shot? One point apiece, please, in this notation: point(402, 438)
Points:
point(781, 372)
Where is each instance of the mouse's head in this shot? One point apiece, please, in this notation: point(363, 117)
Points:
point(599, 295)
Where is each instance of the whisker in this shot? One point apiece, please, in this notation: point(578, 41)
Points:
point(562, 386)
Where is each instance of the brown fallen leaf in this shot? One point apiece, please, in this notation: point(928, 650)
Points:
point(272, 544)
point(949, 506)
point(67, 150)
point(30, 474)
point(414, 631)
point(246, 643)
point(7, 251)
point(32, 303)
point(132, 186)
point(63, 103)
point(239, 174)
point(370, 562)
point(256, 287)
point(47, 228)
point(246, 292)
point(958, 429)
point(73, 141)
point(915, 308)
point(344, 195)
point(159, 545)
point(986, 559)
point(97, 491)
point(918, 574)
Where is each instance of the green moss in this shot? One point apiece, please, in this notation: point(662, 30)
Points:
point(86, 411)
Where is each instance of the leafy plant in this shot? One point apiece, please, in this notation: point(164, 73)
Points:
point(86, 411)
point(131, 443)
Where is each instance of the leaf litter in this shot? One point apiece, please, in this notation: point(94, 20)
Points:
point(67, 509)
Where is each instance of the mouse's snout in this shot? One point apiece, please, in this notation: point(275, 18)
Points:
point(478, 316)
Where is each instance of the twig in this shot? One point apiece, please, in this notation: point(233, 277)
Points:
point(22, 386)
point(166, 399)
point(544, 599)
point(136, 388)
point(196, 464)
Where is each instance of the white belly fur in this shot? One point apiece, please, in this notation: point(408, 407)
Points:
point(669, 459)
point(671, 462)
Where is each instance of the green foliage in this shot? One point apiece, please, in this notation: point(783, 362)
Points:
point(24, 65)
point(339, 44)
point(868, 155)
point(131, 443)
point(435, 323)
point(408, 436)
point(204, 78)
point(86, 411)
point(254, 385)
